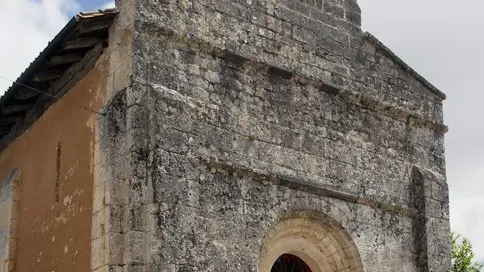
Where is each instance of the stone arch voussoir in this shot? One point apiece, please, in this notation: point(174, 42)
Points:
point(319, 241)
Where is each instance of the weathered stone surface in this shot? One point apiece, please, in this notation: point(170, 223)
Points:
point(9, 209)
point(241, 113)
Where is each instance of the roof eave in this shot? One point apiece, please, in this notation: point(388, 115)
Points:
point(40, 59)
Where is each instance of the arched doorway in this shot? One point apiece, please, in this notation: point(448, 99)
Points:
point(309, 243)
point(290, 263)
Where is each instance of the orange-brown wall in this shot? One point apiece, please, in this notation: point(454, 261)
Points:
point(56, 235)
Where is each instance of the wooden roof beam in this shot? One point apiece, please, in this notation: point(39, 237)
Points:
point(94, 25)
point(16, 108)
point(26, 94)
point(47, 75)
point(81, 43)
point(65, 59)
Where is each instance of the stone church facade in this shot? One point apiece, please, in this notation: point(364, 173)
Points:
point(222, 135)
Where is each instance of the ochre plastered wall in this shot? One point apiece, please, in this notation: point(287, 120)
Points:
point(54, 232)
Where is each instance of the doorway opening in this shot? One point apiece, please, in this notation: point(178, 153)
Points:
point(289, 263)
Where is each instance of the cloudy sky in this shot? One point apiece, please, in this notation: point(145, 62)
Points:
point(26, 26)
point(442, 39)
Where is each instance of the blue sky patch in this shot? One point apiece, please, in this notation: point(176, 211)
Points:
point(87, 5)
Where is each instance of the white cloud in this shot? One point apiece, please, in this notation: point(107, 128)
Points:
point(27, 27)
point(109, 5)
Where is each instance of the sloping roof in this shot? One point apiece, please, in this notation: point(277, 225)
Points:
point(80, 35)
point(404, 65)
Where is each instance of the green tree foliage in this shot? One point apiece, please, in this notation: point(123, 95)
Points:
point(463, 255)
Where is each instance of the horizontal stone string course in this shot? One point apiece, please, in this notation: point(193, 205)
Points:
point(305, 185)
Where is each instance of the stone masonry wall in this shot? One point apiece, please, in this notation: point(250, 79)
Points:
point(9, 205)
point(241, 112)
